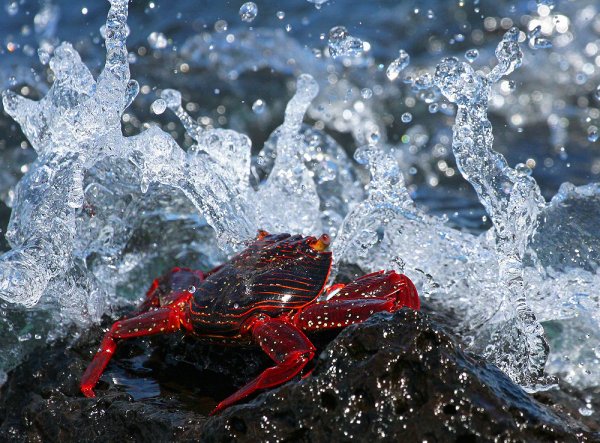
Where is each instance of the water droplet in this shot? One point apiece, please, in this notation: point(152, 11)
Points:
point(24, 337)
point(580, 78)
point(338, 34)
point(362, 154)
point(586, 410)
point(342, 44)
point(374, 137)
point(12, 8)
point(424, 81)
point(159, 106)
point(406, 117)
point(471, 55)
point(318, 3)
point(541, 43)
point(366, 93)
point(433, 108)
point(430, 14)
point(258, 107)
point(597, 93)
point(522, 169)
point(280, 15)
point(157, 40)
point(12, 80)
point(248, 12)
point(398, 65)
point(593, 135)
point(535, 32)
point(221, 26)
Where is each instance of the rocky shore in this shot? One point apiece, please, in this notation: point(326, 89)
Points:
point(396, 377)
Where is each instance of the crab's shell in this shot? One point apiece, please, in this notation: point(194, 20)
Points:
point(275, 275)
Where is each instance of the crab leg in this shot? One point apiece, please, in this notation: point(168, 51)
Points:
point(163, 320)
point(151, 300)
point(358, 300)
point(285, 344)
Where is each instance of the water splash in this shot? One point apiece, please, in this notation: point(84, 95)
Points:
point(76, 127)
point(387, 201)
point(511, 198)
point(248, 12)
point(289, 179)
point(342, 44)
point(398, 65)
point(68, 128)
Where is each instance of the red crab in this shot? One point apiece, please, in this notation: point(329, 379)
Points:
point(269, 294)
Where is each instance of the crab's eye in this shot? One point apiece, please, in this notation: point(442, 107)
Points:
point(262, 234)
point(320, 244)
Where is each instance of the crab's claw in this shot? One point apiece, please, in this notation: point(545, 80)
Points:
point(321, 243)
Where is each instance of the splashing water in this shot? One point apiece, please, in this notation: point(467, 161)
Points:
point(398, 65)
point(82, 210)
point(342, 44)
point(248, 12)
point(511, 198)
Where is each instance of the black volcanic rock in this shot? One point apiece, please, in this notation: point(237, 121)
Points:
point(395, 377)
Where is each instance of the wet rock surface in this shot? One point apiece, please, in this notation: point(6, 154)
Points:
point(396, 377)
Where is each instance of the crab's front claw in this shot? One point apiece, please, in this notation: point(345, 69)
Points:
point(383, 291)
point(383, 284)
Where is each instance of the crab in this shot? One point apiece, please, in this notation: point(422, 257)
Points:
point(270, 294)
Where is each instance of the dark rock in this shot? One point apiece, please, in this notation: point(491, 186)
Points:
point(569, 401)
point(396, 377)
